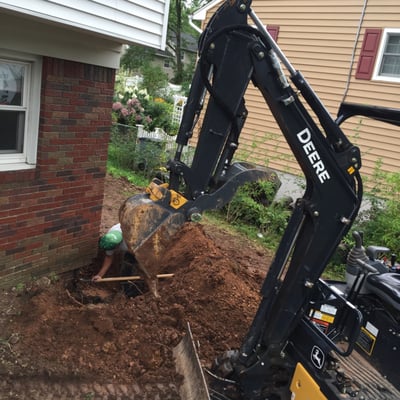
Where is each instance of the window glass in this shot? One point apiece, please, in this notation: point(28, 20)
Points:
point(12, 131)
point(12, 110)
point(20, 86)
point(390, 65)
point(11, 83)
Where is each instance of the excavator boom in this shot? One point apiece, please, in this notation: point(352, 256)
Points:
point(282, 345)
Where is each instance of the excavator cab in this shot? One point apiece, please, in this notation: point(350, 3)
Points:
point(372, 285)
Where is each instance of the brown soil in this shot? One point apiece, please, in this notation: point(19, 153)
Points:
point(78, 340)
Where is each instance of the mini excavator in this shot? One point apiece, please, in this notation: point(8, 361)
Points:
point(288, 353)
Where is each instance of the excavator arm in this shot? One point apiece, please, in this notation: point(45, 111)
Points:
point(329, 161)
point(235, 50)
point(232, 54)
point(150, 220)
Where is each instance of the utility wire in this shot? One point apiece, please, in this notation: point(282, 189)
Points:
point(346, 90)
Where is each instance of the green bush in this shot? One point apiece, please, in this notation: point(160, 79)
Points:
point(125, 152)
point(381, 222)
point(160, 113)
point(253, 205)
point(154, 79)
point(150, 157)
point(122, 146)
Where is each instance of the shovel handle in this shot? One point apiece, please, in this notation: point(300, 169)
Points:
point(131, 278)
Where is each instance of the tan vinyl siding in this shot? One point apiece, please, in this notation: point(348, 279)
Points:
point(378, 141)
point(318, 38)
point(308, 35)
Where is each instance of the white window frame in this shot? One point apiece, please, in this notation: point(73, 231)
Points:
point(31, 105)
point(385, 36)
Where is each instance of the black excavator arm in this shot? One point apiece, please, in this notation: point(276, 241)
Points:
point(234, 50)
point(232, 53)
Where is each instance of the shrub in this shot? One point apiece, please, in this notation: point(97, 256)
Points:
point(254, 205)
point(160, 113)
point(122, 147)
point(154, 79)
point(138, 108)
point(150, 157)
point(380, 223)
point(126, 152)
point(131, 112)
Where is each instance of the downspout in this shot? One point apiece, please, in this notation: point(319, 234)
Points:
point(193, 25)
point(353, 55)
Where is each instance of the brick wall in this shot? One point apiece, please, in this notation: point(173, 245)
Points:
point(50, 216)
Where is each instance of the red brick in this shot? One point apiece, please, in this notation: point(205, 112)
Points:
point(55, 209)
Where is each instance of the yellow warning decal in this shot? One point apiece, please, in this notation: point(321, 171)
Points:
point(366, 340)
point(322, 316)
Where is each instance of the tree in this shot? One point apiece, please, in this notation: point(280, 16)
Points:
point(136, 57)
point(138, 60)
point(178, 24)
point(175, 36)
point(154, 79)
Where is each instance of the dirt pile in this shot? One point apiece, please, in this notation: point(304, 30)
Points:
point(49, 331)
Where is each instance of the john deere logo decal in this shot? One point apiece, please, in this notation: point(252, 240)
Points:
point(317, 357)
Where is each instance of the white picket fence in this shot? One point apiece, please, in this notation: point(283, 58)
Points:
point(158, 135)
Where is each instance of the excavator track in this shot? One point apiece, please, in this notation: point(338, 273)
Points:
point(372, 385)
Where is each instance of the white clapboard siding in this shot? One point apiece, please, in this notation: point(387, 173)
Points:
point(126, 21)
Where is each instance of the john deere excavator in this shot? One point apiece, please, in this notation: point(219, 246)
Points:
point(286, 354)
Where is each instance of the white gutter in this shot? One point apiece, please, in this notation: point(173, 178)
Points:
point(193, 25)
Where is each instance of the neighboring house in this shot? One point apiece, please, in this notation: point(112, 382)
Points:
point(346, 50)
point(166, 58)
point(57, 70)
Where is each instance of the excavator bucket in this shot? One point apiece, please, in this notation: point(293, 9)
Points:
point(148, 228)
point(194, 386)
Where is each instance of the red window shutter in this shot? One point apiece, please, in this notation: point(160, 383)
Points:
point(273, 31)
point(369, 49)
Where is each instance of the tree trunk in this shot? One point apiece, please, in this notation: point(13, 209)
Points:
point(178, 52)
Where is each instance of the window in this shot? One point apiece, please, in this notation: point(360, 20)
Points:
point(12, 109)
point(388, 59)
point(19, 110)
